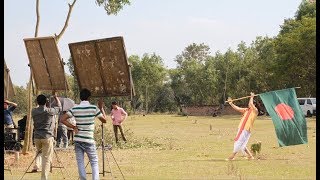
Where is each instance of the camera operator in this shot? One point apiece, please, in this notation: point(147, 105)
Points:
point(44, 124)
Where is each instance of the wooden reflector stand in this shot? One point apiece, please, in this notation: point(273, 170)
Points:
point(8, 86)
point(46, 71)
point(46, 64)
point(8, 94)
point(102, 67)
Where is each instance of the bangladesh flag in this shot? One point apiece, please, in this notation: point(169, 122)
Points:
point(287, 116)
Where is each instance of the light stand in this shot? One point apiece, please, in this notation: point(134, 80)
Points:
point(104, 148)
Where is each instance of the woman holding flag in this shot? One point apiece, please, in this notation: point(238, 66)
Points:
point(245, 126)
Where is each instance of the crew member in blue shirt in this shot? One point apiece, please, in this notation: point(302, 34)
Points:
point(9, 107)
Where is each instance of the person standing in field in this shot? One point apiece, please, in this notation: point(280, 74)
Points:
point(9, 107)
point(44, 125)
point(62, 136)
point(70, 133)
point(244, 129)
point(117, 114)
point(85, 114)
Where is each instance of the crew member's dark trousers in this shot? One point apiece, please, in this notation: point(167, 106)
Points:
point(115, 129)
point(70, 136)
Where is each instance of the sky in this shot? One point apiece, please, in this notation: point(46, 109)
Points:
point(163, 27)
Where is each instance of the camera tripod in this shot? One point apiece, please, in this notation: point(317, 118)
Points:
point(6, 162)
point(103, 149)
point(51, 166)
point(12, 140)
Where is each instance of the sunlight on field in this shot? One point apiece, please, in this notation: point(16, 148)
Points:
point(195, 148)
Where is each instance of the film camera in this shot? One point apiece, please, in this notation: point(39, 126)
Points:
point(13, 136)
point(11, 139)
point(10, 136)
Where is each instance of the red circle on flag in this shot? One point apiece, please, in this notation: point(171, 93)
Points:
point(284, 111)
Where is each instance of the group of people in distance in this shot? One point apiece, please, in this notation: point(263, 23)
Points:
point(84, 115)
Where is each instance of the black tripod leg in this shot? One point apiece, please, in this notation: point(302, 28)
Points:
point(61, 164)
point(6, 162)
point(117, 164)
point(109, 166)
point(30, 164)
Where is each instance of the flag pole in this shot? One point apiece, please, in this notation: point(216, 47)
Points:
point(250, 96)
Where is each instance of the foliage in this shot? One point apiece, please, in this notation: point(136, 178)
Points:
point(307, 8)
point(72, 81)
point(148, 74)
point(164, 100)
point(295, 47)
point(267, 63)
point(192, 75)
point(112, 6)
point(20, 98)
point(133, 142)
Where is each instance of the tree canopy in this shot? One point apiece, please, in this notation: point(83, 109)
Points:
point(204, 78)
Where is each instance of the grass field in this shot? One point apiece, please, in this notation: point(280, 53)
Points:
point(181, 147)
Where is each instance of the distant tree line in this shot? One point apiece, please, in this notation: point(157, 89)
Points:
point(201, 78)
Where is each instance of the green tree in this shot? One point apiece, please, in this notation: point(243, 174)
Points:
point(164, 100)
point(20, 98)
point(73, 82)
point(193, 52)
point(307, 8)
point(112, 6)
point(296, 55)
point(182, 95)
point(263, 49)
point(192, 71)
point(148, 74)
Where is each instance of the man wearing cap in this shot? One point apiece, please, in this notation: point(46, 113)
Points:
point(9, 107)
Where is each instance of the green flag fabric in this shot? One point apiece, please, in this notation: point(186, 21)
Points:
point(287, 116)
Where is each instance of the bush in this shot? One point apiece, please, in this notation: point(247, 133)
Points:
point(132, 141)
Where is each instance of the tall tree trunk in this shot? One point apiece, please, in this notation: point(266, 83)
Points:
point(38, 19)
point(28, 131)
point(8, 84)
point(225, 88)
point(57, 37)
point(224, 92)
point(146, 99)
point(27, 146)
point(29, 128)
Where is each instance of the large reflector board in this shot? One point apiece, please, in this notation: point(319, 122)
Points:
point(8, 86)
point(102, 66)
point(46, 64)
